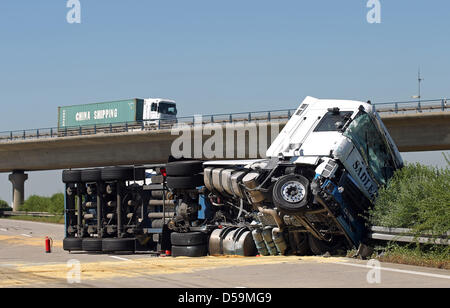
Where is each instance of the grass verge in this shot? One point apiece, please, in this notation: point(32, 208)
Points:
point(433, 256)
point(418, 198)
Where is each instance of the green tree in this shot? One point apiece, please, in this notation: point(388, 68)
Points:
point(53, 204)
point(36, 204)
point(4, 204)
point(57, 206)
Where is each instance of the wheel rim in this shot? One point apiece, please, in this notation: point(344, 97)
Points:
point(293, 192)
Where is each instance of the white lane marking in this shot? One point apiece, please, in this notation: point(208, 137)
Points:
point(26, 235)
point(119, 258)
point(397, 270)
point(4, 230)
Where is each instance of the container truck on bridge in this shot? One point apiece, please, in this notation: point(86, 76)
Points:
point(116, 114)
point(310, 195)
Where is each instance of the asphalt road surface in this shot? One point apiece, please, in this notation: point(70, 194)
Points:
point(24, 263)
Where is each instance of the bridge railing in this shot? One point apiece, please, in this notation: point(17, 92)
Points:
point(413, 106)
point(53, 132)
point(258, 116)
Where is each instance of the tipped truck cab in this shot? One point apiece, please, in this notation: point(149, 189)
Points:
point(350, 132)
point(312, 192)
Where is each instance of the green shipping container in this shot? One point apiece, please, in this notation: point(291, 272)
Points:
point(115, 112)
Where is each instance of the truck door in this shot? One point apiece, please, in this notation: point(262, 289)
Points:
point(147, 111)
point(154, 114)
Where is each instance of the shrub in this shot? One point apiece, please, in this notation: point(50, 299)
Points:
point(57, 204)
point(53, 204)
point(417, 197)
point(4, 204)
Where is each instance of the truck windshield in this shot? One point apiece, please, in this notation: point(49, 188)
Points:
point(333, 121)
point(368, 139)
point(167, 108)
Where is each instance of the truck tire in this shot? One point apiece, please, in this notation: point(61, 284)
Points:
point(184, 168)
point(91, 175)
point(188, 239)
point(119, 244)
point(190, 251)
point(117, 174)
point(72, 244)
point(71, 176)
point(185, 182)
point(92, 244)
point(291, 193)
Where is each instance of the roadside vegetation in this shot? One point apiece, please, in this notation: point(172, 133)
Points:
point(52, 205)
point(4, 204)
point(437, 256)
point(418, 198)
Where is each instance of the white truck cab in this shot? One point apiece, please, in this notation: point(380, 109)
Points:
point(348, 131)
point(158, 110)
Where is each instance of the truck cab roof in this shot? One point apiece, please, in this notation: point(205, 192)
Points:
point(315, 127)
point(159, 100)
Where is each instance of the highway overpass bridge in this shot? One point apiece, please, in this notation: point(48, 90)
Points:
point(423, 128)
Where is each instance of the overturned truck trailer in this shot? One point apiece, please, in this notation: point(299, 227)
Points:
point(310, 195)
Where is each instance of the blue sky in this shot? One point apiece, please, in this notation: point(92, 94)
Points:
point(214, 56)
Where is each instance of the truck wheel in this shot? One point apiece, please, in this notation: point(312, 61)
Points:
point(184, 168)
point(71, 176)
point(185, 182)
point(117, 174)
point(189, 251)
point(72, 244)
point(119, 244)
point(91, 175)
point(290, 193)
point(92, 244)
point(188, 239)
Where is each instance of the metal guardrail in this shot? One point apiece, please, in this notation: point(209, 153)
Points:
point(4, 210)
point(413, 106)
point(407, 236)
point(33, 214)
point(254, 117)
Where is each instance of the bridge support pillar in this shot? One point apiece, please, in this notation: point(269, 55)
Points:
point(18, 179)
